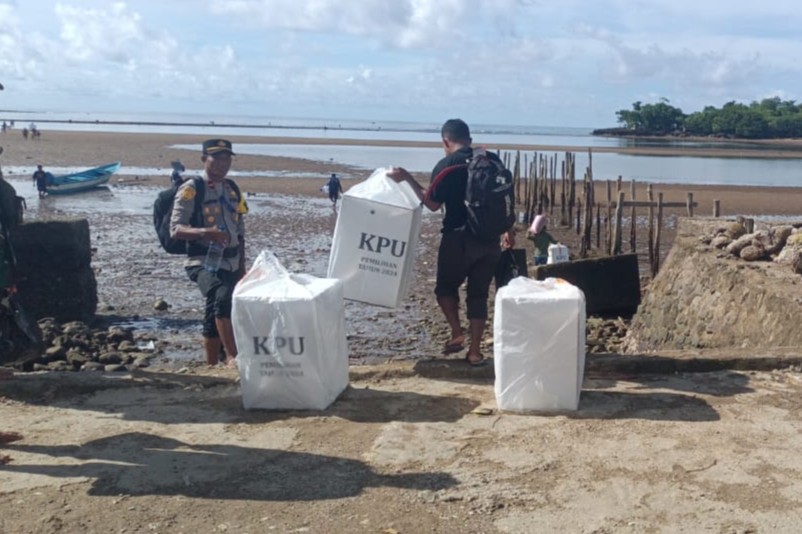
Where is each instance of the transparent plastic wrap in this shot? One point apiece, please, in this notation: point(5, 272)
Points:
point(539, 345)
point(375, 240)
point(290, 333)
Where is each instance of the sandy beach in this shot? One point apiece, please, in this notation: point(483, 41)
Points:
point(415, 444)
point(154, 151)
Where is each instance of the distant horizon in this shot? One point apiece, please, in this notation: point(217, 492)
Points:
point(267, 120)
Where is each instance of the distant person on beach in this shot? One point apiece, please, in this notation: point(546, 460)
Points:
point(335, 189)
point(40, 181)
point(221, 224)
point(175, 178)
point(541, 238)
point(461, 255)
point(25, 133)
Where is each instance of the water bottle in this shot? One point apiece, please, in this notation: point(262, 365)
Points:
point(214, 255)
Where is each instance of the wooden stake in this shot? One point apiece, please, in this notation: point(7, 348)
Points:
point(656, 266)
point(650, 237)
point(632, 220)
point(619, 218)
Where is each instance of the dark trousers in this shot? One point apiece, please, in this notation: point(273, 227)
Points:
point(461, 256)
point(217, 288)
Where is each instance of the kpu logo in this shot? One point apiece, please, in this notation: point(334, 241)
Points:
point(377, 243)
point(274, 345)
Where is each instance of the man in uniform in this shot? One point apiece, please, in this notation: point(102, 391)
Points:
point(223, 209)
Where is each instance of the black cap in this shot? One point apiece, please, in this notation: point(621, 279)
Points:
point(215, 146)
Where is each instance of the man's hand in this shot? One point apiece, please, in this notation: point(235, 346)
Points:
point(508, 239)
point(212, 235)
point(399, 174)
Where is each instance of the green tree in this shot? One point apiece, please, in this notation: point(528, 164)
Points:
point(661, 118)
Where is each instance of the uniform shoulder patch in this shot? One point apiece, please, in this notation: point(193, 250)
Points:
point(188, 193)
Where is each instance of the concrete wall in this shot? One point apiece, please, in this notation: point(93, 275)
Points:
point(55, 276)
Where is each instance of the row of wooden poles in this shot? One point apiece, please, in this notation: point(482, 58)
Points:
point(539, 191)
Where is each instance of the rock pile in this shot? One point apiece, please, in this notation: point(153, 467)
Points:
point(781, 243)
point(74, 346)
point(605, 335)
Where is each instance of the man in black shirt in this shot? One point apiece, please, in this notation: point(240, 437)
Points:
point(40, 181)
point(461, 255)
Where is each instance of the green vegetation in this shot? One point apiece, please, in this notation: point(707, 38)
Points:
point(771, 118)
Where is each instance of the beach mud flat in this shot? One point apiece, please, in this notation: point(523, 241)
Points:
point(133, 273)
point(291, 217)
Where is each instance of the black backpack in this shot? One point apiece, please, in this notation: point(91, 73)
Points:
point(163, 209)
point(489, 197)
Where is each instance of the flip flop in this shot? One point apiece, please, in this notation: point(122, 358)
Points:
point(451, 348)
point(481, 362)
point(454, 346)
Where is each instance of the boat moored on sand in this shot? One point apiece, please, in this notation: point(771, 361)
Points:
point(80, 181)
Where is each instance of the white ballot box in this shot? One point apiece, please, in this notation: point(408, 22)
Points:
point(290, 333)
point(557, 254)
point(539, 345)
point(375, 240)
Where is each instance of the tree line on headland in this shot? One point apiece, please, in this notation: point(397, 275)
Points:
point(771, 118)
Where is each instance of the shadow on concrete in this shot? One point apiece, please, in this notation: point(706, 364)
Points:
point(363, 405)
point(171, 397)
point(140, 464)
point(717, 384)
point(656, 406)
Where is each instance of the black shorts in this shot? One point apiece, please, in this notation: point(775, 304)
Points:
point(218, 289)
point(461, 256)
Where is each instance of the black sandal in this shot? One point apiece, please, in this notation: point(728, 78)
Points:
point(476, 363)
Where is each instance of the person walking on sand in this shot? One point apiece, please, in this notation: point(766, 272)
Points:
point(461, 255)
point(335, 190)
point(40, 181)
point(541, 238)
point(219, 226)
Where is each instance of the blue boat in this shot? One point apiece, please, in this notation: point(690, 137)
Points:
point(66, 184)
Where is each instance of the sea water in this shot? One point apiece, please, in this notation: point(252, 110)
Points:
point(773, 172)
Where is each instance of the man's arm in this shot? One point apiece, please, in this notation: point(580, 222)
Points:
point(180, 227)
point(402, 175)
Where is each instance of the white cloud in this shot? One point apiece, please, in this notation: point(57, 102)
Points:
point(526, 60)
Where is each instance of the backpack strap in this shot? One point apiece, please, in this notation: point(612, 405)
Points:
point(441, 176)
point(196, 221)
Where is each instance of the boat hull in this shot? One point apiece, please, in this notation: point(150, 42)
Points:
point(81, 181)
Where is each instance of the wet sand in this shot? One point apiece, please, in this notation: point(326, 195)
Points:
point(289, 216)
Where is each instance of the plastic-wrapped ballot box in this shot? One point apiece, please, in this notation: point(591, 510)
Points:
point(290, 333)
point(539, 345)
point(558, 253)
point(375, 239)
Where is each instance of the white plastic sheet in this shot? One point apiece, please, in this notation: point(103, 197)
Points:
point(375, 240)
point(290, 333)
point(539, 345)
point(558, 253)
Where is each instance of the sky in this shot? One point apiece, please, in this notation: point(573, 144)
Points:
point(513, 62)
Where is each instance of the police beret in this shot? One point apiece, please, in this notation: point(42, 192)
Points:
point(215, 146)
